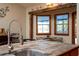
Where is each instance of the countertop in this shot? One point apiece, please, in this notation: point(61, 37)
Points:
point(59, 47)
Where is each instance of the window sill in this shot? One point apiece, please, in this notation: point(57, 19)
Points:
point(62, 34)
point(43, 33)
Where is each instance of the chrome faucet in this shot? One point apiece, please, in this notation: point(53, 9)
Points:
point(20, 36)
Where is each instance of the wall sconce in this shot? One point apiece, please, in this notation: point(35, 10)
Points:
point(3, 11)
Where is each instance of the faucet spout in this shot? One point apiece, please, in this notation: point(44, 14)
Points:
point(20, 36)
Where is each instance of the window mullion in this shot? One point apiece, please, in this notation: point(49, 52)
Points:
point(42, 28)
point(63, 26)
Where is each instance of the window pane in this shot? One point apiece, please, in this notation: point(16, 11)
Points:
point(59, 22)
point(59, 28)
point(39, 28)
point(62, 24)
point(43, 20)
point(65, 21)
point(43, 24)
point(65, 28)
point(45, 28)
point(62, 17)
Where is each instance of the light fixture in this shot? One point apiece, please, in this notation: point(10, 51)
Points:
point(49, 5)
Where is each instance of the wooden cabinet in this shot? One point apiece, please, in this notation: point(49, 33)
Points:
point(73, 52)
point(3, 39)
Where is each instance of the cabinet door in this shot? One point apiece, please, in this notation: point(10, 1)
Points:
point(66, 54)
point(74, 52)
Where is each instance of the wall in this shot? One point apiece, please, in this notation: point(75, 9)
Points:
point(28, 17)
point(77, 23)
point(66, 39)
point(16, 12)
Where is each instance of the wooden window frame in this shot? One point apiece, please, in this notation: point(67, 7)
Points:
point(31, 27)
point(56, 27)
point(73, 26)
point(37, 25)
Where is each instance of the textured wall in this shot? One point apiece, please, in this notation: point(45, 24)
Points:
point(16, 12)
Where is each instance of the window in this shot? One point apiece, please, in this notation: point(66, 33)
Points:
point(43, 25)
point(61, 24)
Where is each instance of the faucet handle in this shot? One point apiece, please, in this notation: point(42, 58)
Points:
point(10, 47)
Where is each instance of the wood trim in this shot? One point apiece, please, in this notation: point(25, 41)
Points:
point(49, 26)
point(67, 5)
point(55, 24)
point(73, 27)
point(31, 26)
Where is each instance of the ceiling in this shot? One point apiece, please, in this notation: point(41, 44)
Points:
point(26, 5)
